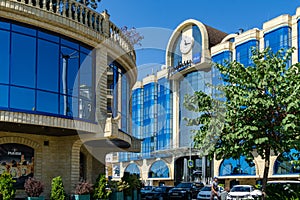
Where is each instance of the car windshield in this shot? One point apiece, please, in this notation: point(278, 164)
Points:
point(184, 185)
point(147, 188)
point(240, 189)
point(158, 189)
point(206, 188)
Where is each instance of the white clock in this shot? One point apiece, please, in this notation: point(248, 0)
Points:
point(186, 44)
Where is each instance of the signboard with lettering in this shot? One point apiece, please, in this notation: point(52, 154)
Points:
point(196, 58)
point(18, 160)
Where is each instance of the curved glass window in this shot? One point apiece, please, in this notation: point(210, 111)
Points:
point(239, 167)
point(52, 75)
point(176, 54)
point(159, 169)
point(288, 163)
point(197, 48)
point(194, 81)
point(244, 52)
point(120, 84)
point(133, 169)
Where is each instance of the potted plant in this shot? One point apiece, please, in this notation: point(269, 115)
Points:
point(134, 184)
point(7, 190)
point(57, 189)
point(34, 188)
point(117, 188)
point(101, 188)
point(83, 191)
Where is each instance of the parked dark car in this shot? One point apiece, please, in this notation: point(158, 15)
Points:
point(145, 190)
point(185, 190)
point(159, 193)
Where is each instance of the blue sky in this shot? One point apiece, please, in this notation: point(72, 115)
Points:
point(157, 18)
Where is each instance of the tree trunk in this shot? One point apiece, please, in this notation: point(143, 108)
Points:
point(266, 172)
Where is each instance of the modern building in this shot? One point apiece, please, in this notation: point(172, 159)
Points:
point(168, 156)
point(66, 73)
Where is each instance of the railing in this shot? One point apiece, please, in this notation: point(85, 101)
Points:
point(86, 16)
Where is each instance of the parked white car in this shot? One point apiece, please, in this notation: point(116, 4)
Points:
point(240, 192)
point(205, 192)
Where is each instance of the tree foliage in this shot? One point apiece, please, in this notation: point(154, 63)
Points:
point(260, 113)
point(7, 190)
point(101, 190)
point(90, 3)
point(133, 35)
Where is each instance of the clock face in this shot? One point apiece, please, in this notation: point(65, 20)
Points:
point(186, 44)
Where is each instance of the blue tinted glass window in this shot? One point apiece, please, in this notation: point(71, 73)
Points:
point(22, 98)
point(4, 56)
point(47, 102)
point(133, 169)
point(288, 163)
point(197, 48)
point(278, 39)
point(47, 71)
point(23, 62)
point(244, 52)
point(4, 96)
point(86, 71)
point(4, 25)
point(70, 44)
point(176, 54)
point(24, 30)
point(237, 167)
point(159, 169)
point(66, 106)
point(48, 36)
point(69, 71)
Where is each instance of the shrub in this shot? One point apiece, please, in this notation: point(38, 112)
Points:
point(33, 187)
point(101, 189)
point(7, 190)
point(83, 188)
point(57, 189)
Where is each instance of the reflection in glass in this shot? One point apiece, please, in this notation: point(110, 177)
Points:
point(4, 56)
point(47, 102)
point(237, 167)
point(288, 163)
point(23, 63)
point(159, 169)
point(47, 70)
point(133, 169)
point(3, 96)
point(22, 98)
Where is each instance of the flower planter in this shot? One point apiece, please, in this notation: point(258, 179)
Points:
point(82, 197)
point(117, 196)
point(36, 198)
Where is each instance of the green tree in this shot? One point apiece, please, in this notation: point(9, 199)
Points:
point(260, 111)
point(57, 189)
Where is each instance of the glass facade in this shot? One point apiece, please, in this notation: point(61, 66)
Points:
point(151, 118)
point(288, 163)
point(244, 52)
point(52, 75)
point(194, 81)
point(159, 169)
point(237, 167)
point(197, 48)
point(176, 54)
point(120, 85)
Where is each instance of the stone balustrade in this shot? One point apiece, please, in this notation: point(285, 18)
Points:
point(75, 12)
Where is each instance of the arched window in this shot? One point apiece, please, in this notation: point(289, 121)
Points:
point(159, 169)
point(133, 169)
point(18, 160)
point(288, 163)
point(239, 167)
